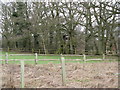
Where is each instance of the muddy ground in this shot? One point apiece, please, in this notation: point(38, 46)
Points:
point(86, 75)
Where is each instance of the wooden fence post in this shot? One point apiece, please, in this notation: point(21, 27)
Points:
point(75, 51)
point(36, 57)
point(32, 50)
point(103, 56)
point(84, 57)
point(8, 49)
point(39, 51)
point(22, 74)
point(63, 71)
point(6, 58)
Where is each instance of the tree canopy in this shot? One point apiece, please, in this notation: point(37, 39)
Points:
point(60, 27)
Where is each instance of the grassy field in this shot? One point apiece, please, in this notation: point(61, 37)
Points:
point(57, 57)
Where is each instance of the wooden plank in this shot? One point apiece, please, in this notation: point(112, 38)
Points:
point(110, 59)
point(71, 55)
point(21, 59)
point(99, 59)
point(58, 55)
point(93, 59)
point(21, 54)
point(53, 59)
point(58, 59)
point(73, 59)
point(30, 59)
point(47, 59)
point(63, 71)
point(22, 74)
point(48, 54)
point(43, 55)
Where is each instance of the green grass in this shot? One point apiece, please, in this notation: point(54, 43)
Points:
point(56, 57)
point(42, 57)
